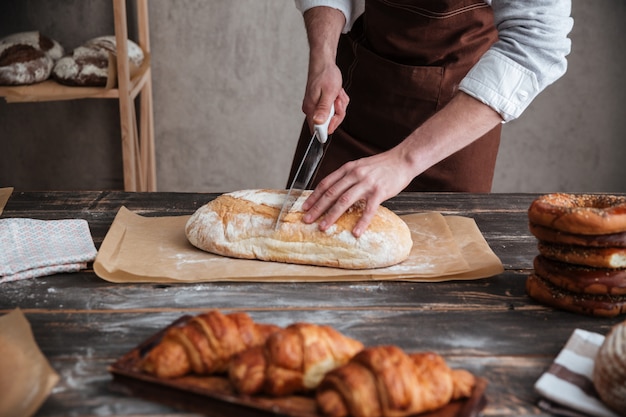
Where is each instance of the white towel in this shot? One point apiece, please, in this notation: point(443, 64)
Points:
point(32, 248)
point(568, 382)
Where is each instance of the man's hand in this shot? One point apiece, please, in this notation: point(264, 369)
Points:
point(373, 180)
point(376, 178)
point(323, 89)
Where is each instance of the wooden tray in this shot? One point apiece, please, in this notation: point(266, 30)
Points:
point(201, 393)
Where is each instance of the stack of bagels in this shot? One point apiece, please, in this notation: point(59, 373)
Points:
point(581, 266)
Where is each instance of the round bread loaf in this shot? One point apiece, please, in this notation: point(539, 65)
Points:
point(593, 214)
point(35, 39)
point(549, 294)
point(241, 224)
point(609, 372)
point(27, 58)
point(581, 279)
point(88, 65)
point(135, 53)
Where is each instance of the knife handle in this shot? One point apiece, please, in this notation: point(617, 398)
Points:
point(322, 130)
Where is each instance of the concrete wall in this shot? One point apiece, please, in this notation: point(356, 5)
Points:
point(228, 82)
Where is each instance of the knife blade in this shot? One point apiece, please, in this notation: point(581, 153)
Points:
point(308, 165)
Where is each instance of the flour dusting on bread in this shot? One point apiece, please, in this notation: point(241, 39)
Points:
point(241, 224)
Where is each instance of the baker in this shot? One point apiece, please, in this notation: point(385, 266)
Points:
point(429, 83)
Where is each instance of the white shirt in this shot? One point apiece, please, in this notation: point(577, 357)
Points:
point(528, 57)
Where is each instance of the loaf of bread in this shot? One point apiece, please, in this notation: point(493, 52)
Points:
point(89, 64)
point(27, 58)
point(85, 67)
point(241, 224)
point(609, 372)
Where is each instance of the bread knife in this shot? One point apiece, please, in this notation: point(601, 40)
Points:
point(308, 165)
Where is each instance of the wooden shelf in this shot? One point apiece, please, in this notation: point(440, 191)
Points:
point(138, 152)
point(50, 90)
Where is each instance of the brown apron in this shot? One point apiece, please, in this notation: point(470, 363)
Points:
point(403, 61)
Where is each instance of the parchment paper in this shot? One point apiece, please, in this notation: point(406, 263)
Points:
point(5, 193)
point(155, 249)
point(26, 378)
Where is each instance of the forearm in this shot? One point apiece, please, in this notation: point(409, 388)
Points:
point(457, 125)
point(323, 27)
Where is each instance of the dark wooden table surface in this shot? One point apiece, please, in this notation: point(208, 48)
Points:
point(489, 326)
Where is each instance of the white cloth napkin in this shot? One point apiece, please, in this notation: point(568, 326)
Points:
point(568, 382)
point(32, 248)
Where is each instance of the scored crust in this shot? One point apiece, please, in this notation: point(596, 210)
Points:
point(241, 225)
point(89, 64)
point(27, 58)
point(85, 67)
point(593, 214)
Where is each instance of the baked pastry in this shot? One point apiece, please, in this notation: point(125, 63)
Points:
point(586, 256)
point(581, 279)
point(582, 246)
point(609, 372)
point(27, 58)
point(599, 305)
point(385, 381)
point(85, 67)
point(89, 64)
point(135, 53)
point(593, 214)
point(547, 234)
point(292, 360)
point(241, 224)
point(204, 345)
point(37, 40)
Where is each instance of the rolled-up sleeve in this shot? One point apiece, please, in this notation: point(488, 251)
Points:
point(529, 55)
point(351, 9)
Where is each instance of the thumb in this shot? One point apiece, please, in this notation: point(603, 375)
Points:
point(322, 112)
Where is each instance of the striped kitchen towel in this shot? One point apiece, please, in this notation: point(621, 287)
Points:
point(567, 386)
point(32, 248)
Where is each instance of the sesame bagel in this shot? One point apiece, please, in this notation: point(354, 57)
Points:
point(581, 279)
point(549, 294)
point(548, 234)
point(587, 214)
point(586, 256)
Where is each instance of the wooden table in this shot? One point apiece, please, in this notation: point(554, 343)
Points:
point(489, 326)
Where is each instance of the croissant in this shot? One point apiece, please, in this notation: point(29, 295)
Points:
point(204, 345)
point(294, 359)
point(385, 381)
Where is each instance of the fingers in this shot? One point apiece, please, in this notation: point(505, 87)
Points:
point(368, 214)
point(341, 105)
point(323, 109)
point(371, 180)
point(335, 195)
point(322, 198)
